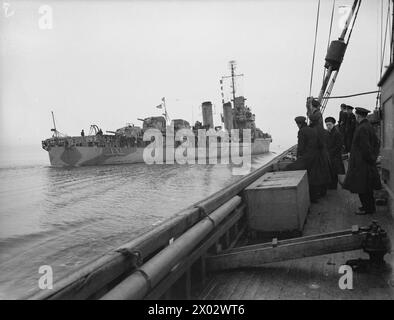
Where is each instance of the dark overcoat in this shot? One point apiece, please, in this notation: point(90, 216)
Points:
point(335, 142)
point(342, 122)
point(307, 151)
point(350, 127)
point(362, 175)
point(311, 156)
point(320, 173)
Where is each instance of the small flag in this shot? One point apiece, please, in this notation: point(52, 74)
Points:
point(159, 106)
point(163, 99)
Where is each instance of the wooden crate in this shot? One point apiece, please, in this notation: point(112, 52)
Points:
point(278, 202)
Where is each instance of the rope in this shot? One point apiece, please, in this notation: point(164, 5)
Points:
point(381, 36)
point(392, 38)
point(351, 95)
point(328, 93)
point(385, 38)
point(354, 21)
point(314, 47)
point(382, 44)
point(329, 33)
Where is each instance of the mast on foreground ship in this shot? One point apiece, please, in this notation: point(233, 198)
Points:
point(126, 144)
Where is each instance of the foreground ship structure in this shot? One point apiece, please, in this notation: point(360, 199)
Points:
point(126, 145)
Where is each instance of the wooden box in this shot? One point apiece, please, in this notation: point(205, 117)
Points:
point(278, 202)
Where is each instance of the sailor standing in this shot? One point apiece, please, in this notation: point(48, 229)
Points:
point(350, 126)
point(321, 169)
point(307, 154)
point(314, 113)
point(342, 119)
point(335, 143)
point(362, 176)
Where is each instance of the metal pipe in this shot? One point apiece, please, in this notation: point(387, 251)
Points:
point(137, 285)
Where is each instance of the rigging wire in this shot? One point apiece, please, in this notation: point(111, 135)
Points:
point(352, 95)
point(314, 47)
point(391, 38)
point(385, 38)
point(328, 92)
point(382, 44)
point(354, 21)
point(329, 33)
point(381, 36)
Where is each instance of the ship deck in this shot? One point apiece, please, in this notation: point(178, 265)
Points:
point(314, 277)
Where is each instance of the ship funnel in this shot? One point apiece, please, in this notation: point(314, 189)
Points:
point(228, 116)
point(207, 117)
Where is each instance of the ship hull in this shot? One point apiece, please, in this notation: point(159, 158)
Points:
point(77, 156)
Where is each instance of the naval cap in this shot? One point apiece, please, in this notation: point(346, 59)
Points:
point(362, 111)
point(343, 105)
point(315, 103)
point(300, 119)
point(349, 107)
point(330, 119)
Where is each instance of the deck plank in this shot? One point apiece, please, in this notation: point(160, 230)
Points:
point(244, 285)
point(232, 280)
point(270, 283)
point(252, 287)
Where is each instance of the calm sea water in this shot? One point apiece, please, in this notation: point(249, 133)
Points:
point(66, 217)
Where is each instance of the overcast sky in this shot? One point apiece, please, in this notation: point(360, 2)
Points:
point(110, 62)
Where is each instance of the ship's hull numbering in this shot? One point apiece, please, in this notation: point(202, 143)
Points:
point(76, 156)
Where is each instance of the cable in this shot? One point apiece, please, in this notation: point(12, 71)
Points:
point(391, 22)
point(329, 33)
point(352, 95)
point(314, 47)
point(354, 21)
point(328, 93)
point(385, 39)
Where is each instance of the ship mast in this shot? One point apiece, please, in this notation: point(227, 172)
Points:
point(232, 64)
point(232, 67)
point(165, 110)
point(54, 125)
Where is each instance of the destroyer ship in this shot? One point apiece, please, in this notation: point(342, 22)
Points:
point(126, 145)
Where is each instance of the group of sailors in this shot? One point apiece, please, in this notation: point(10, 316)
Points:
point(320, 151)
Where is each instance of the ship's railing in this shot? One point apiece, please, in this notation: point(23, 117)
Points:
point(99, 277)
